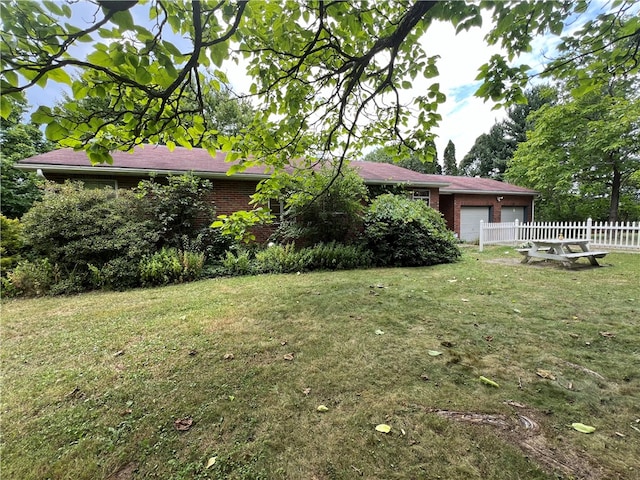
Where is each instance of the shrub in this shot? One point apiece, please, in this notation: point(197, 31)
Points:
point(177, 208)
point(322, 208)
point(404, 232)
point(11, 243)
point(31, 279)
point(330, 256)
point(192, 264)
point(161, 268)
point(237, 264)
point(278, 259)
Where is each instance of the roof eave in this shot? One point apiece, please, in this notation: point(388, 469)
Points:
point(486, 192)
point(406, 183)
point(121, 171)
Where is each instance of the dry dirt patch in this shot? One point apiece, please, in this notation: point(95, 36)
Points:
point(524, 431)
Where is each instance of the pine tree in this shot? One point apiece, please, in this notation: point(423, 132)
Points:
point(450, 163)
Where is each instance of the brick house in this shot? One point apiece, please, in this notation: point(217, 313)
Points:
point(463, 201)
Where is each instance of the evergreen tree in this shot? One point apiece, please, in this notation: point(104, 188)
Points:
point(450, 163)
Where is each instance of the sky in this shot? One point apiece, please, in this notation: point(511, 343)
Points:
point(464, 117)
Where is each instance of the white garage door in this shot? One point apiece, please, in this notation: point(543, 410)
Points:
point(470, 222)
point(510, 214)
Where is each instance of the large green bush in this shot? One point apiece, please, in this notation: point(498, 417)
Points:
point(322, 208)
point(95, 238)
point(75, 228)
point(405, 232)
point(178, 207)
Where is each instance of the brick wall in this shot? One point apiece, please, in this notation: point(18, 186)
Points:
point(453, 206)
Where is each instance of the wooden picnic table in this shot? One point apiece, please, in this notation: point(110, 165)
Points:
point(564, 250)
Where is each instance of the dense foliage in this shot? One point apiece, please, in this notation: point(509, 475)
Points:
point(74, 228)
point(407, 233)
point(322, 207)
point(18, 189)
point(78, 238)
point(326, 77)
point(411, 162)
point(11, 243)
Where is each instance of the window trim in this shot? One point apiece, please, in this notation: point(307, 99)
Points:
point(418, 194)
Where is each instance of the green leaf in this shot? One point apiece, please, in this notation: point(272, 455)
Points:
point(383, 427)
point(55, 131)
point(581, 427)
point(100, 58)
point(124, 20)
point(41, 115)
point(60, 76)
point(487, 381)
point(142, 75)
point(5, 108)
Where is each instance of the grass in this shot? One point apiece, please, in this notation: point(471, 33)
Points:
point(93, 384)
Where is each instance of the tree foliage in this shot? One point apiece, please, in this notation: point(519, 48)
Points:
point(450, 164)
point(321, 208)
point(581, 156)
point(584, 153)
point(17, 141)
point(327, 77)
point(491, 152)
point(412, 162)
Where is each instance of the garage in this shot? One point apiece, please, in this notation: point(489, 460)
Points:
point(470, 218)
point(511, 214)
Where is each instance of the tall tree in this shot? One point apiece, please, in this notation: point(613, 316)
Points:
point(586, 149)
point(580, 153)
point(412, 162)
point(450, 164)
point(491, 152)
point(327, 76)
point(19, 189)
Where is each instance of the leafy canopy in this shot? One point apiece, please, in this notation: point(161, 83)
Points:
point(327, 77)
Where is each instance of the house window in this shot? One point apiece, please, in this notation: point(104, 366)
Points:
point(422, 194)
point(97, 183)
point(276, 207)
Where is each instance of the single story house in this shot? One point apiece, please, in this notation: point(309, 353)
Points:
point(463, 201)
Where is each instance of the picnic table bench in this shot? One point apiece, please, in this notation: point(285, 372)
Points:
point(561, 250)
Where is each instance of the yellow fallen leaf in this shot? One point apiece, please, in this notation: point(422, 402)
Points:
point(383, 427)
point(581, 427)
point(488, 381)
point(211, 462)
point(322, 408)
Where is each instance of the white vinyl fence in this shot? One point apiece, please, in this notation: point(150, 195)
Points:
point(601, 234)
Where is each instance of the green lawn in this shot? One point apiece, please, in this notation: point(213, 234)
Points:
point(92, 385)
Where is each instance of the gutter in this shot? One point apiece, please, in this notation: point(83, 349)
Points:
point(446, 191)
point(122, 171)
point(48, 168)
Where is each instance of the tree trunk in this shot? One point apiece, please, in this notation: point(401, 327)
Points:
point(615, 193)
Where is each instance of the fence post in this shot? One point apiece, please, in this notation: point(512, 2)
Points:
point(481, 235)
point(589, 223)
point(515, 231)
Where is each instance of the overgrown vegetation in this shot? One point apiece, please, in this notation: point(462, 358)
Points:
point(78, 239)
point(407, 233)
point(230, 373)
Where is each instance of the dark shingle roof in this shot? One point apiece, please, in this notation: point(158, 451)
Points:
point(159, 159)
